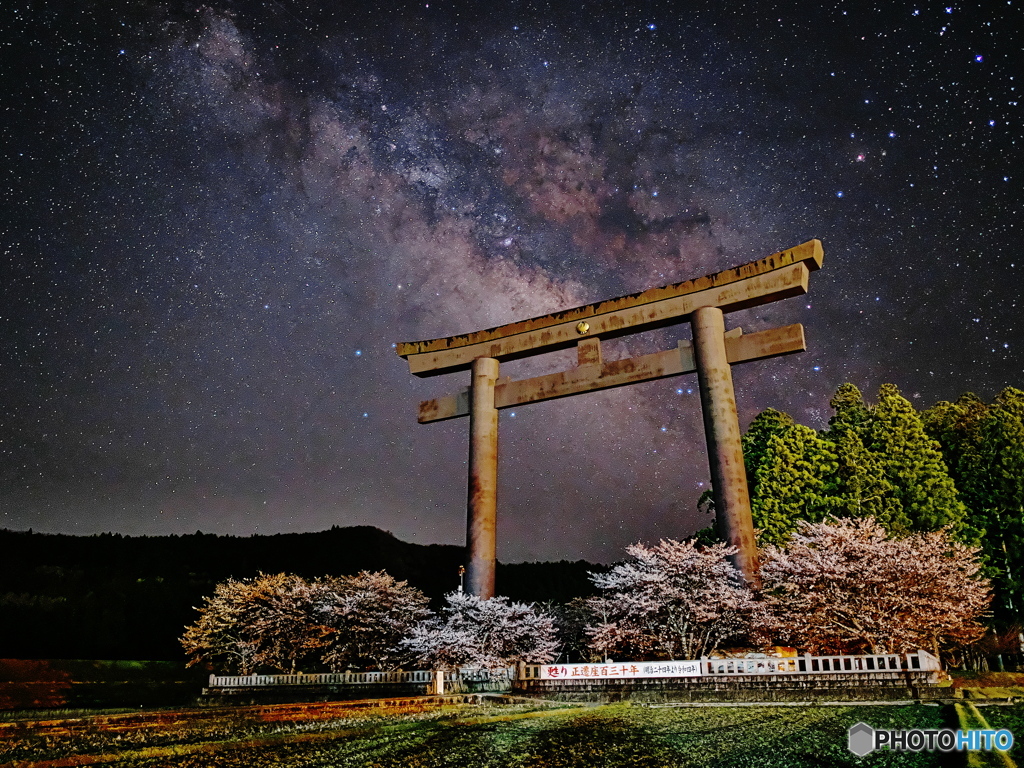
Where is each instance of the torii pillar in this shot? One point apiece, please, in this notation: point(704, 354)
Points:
point(725, 447)
point(712, 353)
point(482, 504)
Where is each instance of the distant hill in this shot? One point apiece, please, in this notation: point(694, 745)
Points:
point(129, 597)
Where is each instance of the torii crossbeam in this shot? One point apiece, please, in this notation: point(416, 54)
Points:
point(711, 353)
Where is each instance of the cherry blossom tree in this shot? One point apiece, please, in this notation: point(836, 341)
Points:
point(281, 617)
point(368, 616)
point(846, 586)
point(219, 635)
point(487, 634)
point(676, 600)
point(260, 622)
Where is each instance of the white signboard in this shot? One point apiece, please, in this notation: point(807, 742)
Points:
point(620, 670)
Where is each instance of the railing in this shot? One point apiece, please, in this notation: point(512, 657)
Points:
point(924, 661)
point(455, 680)
point(471, 675)
point(788, 665)
point(321, 678)
point(466, 679)
point(887, 662)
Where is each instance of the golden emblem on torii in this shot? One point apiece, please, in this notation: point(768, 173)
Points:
point(703, 302)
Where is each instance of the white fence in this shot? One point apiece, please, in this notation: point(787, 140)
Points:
point(461, 680)
point(807, 664)
point(455, 680)
point(468, 675)
point(324, 678)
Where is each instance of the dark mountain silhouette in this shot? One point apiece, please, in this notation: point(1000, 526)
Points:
point(130, 597)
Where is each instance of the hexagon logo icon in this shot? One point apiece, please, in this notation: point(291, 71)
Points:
point(861, 739)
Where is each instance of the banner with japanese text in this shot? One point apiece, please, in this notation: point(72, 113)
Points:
point(620, 670)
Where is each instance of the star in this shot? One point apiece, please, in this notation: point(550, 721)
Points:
point(364, 180)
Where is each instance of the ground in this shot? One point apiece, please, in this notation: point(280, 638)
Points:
point(525, 735)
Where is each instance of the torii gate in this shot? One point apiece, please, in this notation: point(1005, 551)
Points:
point(711, 353)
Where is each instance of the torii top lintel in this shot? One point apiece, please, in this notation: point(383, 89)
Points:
point(778, 276)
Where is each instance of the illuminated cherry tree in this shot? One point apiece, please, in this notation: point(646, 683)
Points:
point(676, 600)
point(486, 634)
point(260, 622)
point(281, 621)
point(846, 586)
point(219, 635)
point(368, 615)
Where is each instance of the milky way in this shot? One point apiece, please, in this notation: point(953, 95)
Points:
point(218, 220)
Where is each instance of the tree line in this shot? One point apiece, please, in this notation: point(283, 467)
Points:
point(957, 466)
point(841, 586)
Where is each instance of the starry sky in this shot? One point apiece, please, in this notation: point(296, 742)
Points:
point(217, 220)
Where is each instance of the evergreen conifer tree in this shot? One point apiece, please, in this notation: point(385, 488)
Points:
point(877, 462)
point(1002, 459)
point(762, 429)
point(851, 412)
point(958, 429)
point(795, 480)
point(861, 485)
point(914, 466)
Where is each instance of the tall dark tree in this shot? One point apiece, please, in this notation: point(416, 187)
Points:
point(860, 473)
point(795, 480)
point(861, 483)
point(851, 412)
point(762, 429)
point(958, 427)
point(914, 465)
point(984, 448)
point(1002, 457)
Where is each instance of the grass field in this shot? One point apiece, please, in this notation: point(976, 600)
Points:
point(481, 736)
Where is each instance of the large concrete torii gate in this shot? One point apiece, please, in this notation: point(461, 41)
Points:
point(713, 350)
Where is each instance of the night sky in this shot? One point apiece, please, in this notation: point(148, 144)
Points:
point(217, 220)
